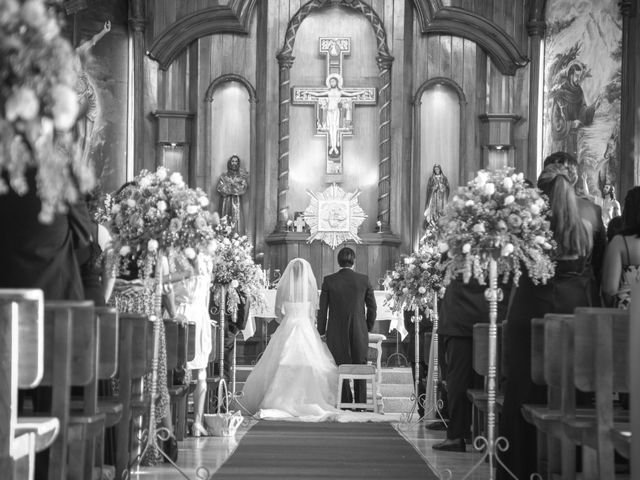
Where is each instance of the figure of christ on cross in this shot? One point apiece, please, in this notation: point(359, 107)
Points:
point(334, 104)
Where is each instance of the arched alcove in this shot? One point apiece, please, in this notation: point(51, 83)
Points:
point(438, 140)
point(230, 130)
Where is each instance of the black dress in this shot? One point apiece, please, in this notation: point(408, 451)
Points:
point(571, 287)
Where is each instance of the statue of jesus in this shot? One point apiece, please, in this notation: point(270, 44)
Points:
point(334, 94)
point(231, 186)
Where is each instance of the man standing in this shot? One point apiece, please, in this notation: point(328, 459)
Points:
point(345, 294)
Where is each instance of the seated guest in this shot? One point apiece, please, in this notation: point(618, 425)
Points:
point(423, 353)
point(622, 260)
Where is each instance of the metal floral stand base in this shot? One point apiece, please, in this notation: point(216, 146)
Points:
point(420, 400)
point(491, 445)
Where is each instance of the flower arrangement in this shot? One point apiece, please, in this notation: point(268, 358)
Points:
point(234, 267)
point(497, 215)
point(38, 108)
point(158, 211)
point(417, 277)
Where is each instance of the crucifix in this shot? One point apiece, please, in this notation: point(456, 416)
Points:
point(334, 104)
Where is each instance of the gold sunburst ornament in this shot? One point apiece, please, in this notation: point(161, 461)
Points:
point(334, 216)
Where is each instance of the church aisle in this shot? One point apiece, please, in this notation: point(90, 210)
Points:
point(212, 452)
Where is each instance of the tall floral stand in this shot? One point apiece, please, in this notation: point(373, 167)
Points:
point(153, 434)
point(490, 444)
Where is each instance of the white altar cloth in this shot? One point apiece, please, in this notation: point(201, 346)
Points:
point(268, 312)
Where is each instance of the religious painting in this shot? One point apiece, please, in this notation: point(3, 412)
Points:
point(99, 32)
point(583, 52)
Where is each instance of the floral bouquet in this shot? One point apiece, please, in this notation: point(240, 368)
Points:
point(158, 211)
point(38, 108)
point(235, 269)
point(497, 216)
point(417, 277)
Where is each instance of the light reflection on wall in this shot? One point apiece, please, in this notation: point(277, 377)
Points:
point(230, 131)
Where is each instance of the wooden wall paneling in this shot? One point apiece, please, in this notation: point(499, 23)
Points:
point(362, 258)
point(203, 112)
point(445, 56)
point(195, 160)
point(315, 259)
point(376, 263)
point(457, 60)
point(480, 107)
point(433, 57)
point(520, 92)
point(328, 260)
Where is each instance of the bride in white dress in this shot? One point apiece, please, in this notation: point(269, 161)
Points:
point(296, 377)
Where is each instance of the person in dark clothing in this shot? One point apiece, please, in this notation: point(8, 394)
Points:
point(342, 318)
point(463, 306)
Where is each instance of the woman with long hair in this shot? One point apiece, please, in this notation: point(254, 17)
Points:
point(621, 265)
point(571, 287)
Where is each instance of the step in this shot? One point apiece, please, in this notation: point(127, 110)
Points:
point(397, 404)
point(396, 389)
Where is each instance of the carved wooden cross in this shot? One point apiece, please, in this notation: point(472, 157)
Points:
point(299, 224)
point(334, 104)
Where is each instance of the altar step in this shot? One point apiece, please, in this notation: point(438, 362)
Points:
point(396, 387)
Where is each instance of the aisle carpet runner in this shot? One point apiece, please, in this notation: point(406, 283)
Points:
point(280, 450)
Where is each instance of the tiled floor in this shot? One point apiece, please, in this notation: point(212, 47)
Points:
point(211, 452)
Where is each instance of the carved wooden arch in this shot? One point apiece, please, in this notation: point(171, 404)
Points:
point(440, 81)
point(253, 171)
point(500, 46)
point(232, 18)
point(357, 5)
point(417, 142)
point(230, 77)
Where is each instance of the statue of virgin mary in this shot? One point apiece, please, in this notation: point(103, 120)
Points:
point(437, 196)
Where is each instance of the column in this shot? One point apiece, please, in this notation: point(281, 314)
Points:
point(384, 146)
point(285, 61)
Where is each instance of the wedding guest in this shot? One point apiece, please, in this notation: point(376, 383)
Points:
point(571, 287)
point(622, 260)
point(616, 225)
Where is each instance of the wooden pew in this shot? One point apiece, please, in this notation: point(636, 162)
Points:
point(21, 366)
point(132, 365)
point(71, 337)
point(601, 341)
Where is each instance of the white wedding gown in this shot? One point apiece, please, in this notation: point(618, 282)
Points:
point(296, 377)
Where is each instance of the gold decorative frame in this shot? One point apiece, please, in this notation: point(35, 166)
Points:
point(334, 216)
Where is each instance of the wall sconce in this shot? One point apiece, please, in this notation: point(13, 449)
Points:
point(498, 139)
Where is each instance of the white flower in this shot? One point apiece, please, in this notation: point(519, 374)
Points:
point(481, 178)
point(540, 240)
point(466, 248)
point(479, 228)
point(204, 202)
point(405, 290)
point(23, 103)
point(509, 199)
point(546, 246)
point(65, 107)
point(520, 177)
point(226, 241)
point(489, 189)
point(507, 183)
point(235, 284)
point(469, 203)
point(131, 202)
point(152, 245)
point(507, 250)
point(443, 247)
point(192, 209)
point(409, 260)
point(176, 178)
point(161, 173)
point(162, 206)
point(424, 265)
point(145, 182)
point(534, 209)
point(124, 250)
point(115, 208)
point(190, 253)
point(212, 247)
point(422, 290)
point(395, 275)
point(34, 13)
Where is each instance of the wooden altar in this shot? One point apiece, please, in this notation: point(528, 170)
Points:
point(374, 256)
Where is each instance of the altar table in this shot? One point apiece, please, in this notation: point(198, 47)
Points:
point(268, 312)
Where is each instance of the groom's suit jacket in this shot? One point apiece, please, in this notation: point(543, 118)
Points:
point(345, 295)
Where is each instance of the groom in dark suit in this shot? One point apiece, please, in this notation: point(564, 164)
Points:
point(345, 294)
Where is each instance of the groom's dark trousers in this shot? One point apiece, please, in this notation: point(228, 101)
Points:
point(342, 317)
